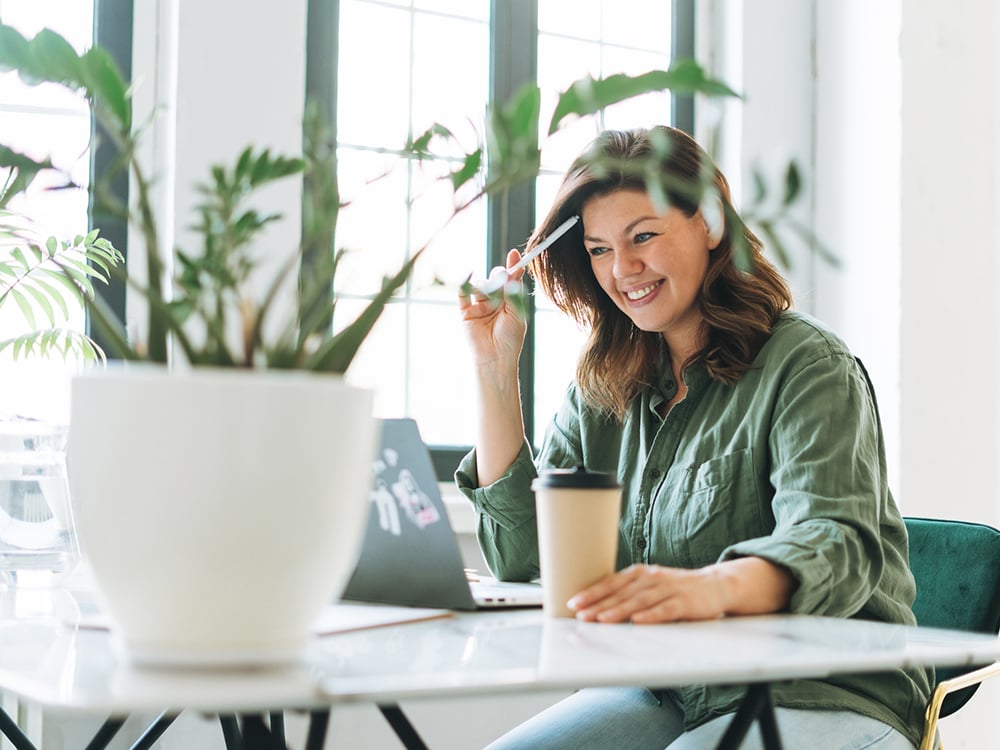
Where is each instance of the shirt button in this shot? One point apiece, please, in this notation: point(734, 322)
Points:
point(642, 544)
point(654, 473)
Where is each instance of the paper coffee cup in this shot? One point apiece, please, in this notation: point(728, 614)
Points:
point(577, 512)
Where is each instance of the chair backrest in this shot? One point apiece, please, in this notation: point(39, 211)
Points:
point(956, 566)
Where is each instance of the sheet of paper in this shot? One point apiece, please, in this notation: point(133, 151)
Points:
point(342, 617)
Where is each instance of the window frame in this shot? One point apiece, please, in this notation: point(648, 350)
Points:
point(511, 215)
point(113, 31)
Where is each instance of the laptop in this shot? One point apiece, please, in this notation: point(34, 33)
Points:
point(409, 553)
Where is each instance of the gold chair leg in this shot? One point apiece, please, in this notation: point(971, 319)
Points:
point(933, 712)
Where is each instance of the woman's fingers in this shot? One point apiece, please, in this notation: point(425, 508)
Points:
point(471, 293)
point(649, 593)
point(513, 256)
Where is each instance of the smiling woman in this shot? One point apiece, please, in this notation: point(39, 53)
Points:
point(745, 437)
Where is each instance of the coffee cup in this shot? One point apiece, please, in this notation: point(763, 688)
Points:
point(577, 512)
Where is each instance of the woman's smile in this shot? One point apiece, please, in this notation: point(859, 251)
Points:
point(643, 294)
point(649, 260)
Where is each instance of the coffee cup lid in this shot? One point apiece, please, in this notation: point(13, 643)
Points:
point(577, 477)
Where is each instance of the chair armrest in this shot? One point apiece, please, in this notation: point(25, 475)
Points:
point(933, 712)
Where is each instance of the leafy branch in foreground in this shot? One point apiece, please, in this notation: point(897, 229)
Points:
point(513, 150)
point(40, 279)
point(212, 306)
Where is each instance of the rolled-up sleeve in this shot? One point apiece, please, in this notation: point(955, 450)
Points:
point(505, 512)
point(828, 477)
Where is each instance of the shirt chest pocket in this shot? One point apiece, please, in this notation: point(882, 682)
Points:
point(703, 508)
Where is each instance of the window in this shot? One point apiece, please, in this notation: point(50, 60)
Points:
point(45, 121)
point(461, 55)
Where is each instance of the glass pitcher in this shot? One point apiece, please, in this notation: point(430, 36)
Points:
point(38, 542)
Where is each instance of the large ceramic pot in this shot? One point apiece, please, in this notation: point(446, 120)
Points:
point(218, 510)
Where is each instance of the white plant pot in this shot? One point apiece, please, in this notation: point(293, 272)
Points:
point(218, 510)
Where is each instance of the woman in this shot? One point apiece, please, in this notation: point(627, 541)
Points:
point(745, 436)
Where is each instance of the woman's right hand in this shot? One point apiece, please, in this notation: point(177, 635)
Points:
point(494, 327)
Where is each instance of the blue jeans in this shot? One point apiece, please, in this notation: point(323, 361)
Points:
point(636, 719)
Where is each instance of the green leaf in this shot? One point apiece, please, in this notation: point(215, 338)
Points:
point(14, 51)
point(741, 252)
point(420, 146)
point(793, 184)
point(62, 341)
point(807, 235)
point(759, 187)
point(107, 85)
point(243, 163)
point(11, 159)
point(470, 168)
point(512, 140)
point(336, 354)
point(219, 176)
point(60, 276)
point(97, 262)
point(24, 305)
point(18, 255)
point(590, 95)
point(83, 268)
point(24, 170)
point(80, 277)
point(52, 58)
point(776, 245)
point(43, 302)
point(54, 294)
point(514, 131)
point(112, 331)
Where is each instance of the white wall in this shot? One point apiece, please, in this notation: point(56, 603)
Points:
point(950, 321)
point(821, 86)
point(239, 81)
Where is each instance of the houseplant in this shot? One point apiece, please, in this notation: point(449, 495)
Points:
point(171, 523)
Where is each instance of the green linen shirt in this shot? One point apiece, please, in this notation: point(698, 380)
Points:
point(788, 464)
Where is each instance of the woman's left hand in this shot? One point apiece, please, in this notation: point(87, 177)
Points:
point(654, 593)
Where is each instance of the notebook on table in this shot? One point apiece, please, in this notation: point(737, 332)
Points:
point(409, 553)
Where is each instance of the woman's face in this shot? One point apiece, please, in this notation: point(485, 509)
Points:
point(651, 263)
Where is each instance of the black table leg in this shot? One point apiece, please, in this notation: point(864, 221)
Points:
point(257, 735)
point(319, 720)
point(756, 705)
point(277, 725)
point(13, 732)
point(154, 731)
point(106, 733)
point(402, 727)
point(231, 732)
point(769, 725)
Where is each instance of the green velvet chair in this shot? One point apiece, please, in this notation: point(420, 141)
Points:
point(957, 569)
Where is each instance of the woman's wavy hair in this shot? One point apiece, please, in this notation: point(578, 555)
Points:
point(742, 294)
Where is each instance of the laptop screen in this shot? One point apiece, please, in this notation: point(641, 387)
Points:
point(409, 554)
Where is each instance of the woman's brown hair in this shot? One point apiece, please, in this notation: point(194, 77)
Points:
point(741, 296)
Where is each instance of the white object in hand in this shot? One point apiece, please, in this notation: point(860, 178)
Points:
point(498, 276)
